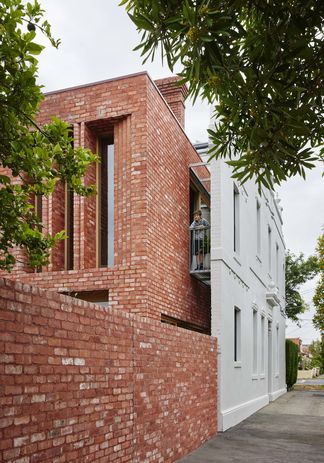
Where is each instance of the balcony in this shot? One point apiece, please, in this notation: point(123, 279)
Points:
point(199, 257)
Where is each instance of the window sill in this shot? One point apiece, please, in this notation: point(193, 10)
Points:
point(236, 257)
point(262, 376)
point(258, 259)
point(238, 364)
point(255, 377)
point(277, 375)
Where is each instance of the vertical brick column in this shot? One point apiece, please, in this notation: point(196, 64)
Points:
point(88, 206)
point(77, 209)
point(123, 193)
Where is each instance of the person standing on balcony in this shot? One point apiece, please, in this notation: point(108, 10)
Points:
point(199, 226)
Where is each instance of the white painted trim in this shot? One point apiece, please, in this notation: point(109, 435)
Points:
point(235, 415)
point(274, 395)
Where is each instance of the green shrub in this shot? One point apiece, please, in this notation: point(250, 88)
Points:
point(291, 363)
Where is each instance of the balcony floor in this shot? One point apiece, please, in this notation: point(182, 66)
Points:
point(202, 275)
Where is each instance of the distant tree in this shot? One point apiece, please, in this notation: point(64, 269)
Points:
point(317, 351)
point(298, 271)
point(260, 63)
point(33, 159)
point(318, 298)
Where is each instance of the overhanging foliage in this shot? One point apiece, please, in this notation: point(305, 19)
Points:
point(260, 62)
point(34, 159)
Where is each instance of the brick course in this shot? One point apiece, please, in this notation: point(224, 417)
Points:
point(81, 382)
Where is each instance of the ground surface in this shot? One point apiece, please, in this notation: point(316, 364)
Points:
point(289, 430)
point(312, 382)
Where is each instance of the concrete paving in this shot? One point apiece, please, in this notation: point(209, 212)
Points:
point(289, 430)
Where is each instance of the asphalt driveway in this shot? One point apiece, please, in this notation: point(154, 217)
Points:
point(291, 429)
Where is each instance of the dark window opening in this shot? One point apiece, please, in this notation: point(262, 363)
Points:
point(69, 228)
point(106, 203)
point(236, 216)
point(39, 207)
point(258, 214)
point(183, 324)
point(237, 334)
point(39, 215)
point(194, 202)
point(100, 297)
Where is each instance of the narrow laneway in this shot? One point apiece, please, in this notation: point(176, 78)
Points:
point(290, 429)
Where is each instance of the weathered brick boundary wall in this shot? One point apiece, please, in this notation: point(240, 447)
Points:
point(83, 383)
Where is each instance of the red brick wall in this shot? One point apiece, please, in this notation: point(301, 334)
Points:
point(171, 287)
point(84, 383)
point(152, 157)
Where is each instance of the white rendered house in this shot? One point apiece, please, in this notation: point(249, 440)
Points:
point(247, 290)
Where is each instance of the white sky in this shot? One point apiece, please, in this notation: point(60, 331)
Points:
point(97, 44)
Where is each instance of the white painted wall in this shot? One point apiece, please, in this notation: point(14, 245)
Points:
point(242, 279)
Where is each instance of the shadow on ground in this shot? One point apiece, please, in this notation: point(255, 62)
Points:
point(289, 430)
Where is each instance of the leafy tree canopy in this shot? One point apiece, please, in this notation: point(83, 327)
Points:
point(260, 62)
point(298, 271)
point(318, 298)
point(33, 159)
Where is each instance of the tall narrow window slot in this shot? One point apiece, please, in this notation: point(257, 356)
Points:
point(269, 250)
point(106, 203)
point(236, 218)
point(258, 227)
point(194, 201)
point(69, 227)
point(262, 343)
point(255, 342)
point(39, 215)
point(237, 335)
point(39, 207)
point(277, 264)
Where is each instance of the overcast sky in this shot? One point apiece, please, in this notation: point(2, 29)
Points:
point(97, 43)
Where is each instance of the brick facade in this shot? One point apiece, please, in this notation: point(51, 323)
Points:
point(81, 382)
point(151, 200)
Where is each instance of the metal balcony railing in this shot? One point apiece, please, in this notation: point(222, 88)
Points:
point(199, 261)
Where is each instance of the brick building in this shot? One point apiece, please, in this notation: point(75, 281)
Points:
point(127, 246)
point(110, 382)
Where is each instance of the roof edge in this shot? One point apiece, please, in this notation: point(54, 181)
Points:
point(99, 82)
